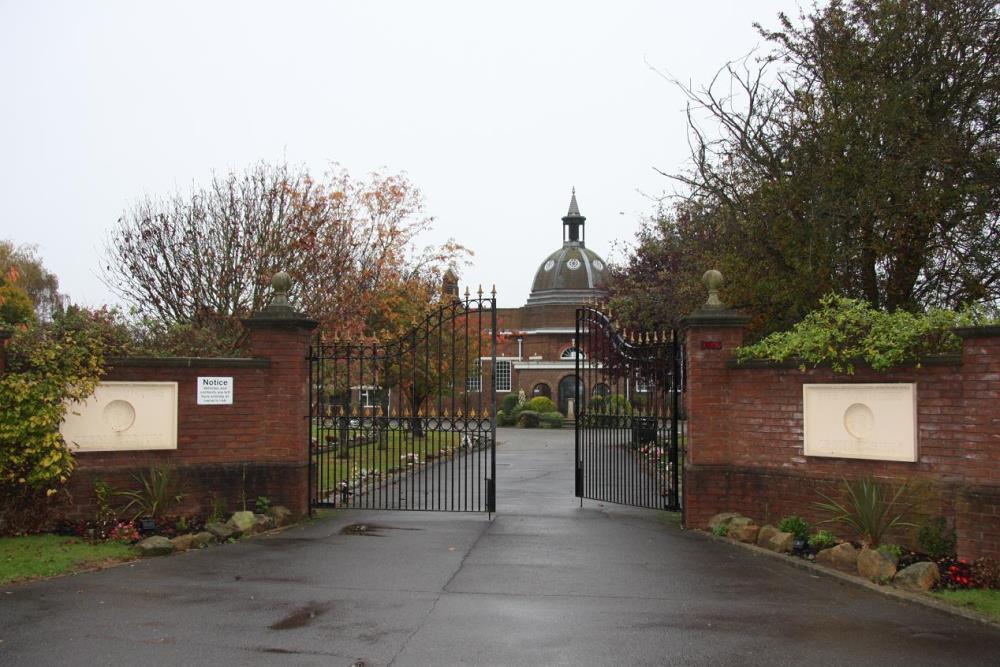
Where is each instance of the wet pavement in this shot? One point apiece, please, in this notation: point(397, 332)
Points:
point(546, 582)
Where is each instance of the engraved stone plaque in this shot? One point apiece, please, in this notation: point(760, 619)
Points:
point(860, 421)
point(123, 416)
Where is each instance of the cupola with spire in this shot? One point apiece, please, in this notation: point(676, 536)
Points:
point(572, 274)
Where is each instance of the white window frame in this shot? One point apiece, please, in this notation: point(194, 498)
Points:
point(508, 373)
point(572, 352)
point(475, 380)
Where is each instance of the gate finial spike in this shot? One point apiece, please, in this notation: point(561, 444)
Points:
point(480, 292)
point(493, 292)
point(467, 294)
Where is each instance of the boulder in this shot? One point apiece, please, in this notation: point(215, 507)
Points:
point(918, 577)
point(745, 533)
point(182, 542)
point(157, 545)
point(261, 523)
point(241, 522)
point(202, 539)
point(765, 534)
point(221, 531)
point(780, 542)
point(843, 557)
point(281, 515)
point(722, 519)
point(876, 565)
point(738, 522)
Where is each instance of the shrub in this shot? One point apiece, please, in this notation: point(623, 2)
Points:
point(822, 539)
point(986, 573)
point(871, 508)
point(618, 405)
point(155, 493)
point(936, 539)
point(508, 403)
point(721, 530)
point(795, 525)
point(528, 419)
point(49, 367)
point(541, 404)
point(550, 420)
point(893, 551)
point(844, 330)
point(501, 418)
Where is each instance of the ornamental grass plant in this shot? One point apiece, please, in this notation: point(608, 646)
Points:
point(872, 508)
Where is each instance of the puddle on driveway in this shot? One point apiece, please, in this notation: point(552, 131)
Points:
point(301, 617)
point(369, 529)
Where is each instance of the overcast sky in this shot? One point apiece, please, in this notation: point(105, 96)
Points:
point(494, 110)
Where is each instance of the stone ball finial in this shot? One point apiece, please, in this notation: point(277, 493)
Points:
point(713, 280)
point(281, 283)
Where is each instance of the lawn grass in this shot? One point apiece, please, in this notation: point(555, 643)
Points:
point(368, 456)
point(34, 556)
point(985, 601)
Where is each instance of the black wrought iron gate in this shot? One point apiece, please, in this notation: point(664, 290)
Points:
point(629, 431)
point(408, 425)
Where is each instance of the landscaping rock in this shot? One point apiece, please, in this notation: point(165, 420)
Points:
point(918, 577)
point(765, 534)
point(157, 545)
point(183, 542)
point(737, 523)
point(722, 519)
point(241, 522)
point(746, 533)
point(203, 539)
point(876, 565)
point(780, 542)
point(281, 515)
point(221, 531)
point(843, 557)
point(261, 523)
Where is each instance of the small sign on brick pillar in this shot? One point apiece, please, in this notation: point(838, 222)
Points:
point(711, 334)
point(282, 335)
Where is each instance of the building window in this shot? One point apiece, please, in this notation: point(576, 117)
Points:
point(572, 353)
point(641, 387)
point(501, 375)
point(475, 380)
point(601, 390)
point(542, 389)
point(367, 398)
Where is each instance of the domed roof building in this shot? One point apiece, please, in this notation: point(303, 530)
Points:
point(573, 274)
point(537, 349)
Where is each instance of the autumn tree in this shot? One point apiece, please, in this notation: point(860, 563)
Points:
point(203, 260)
point(21, 264)
point(860, 154)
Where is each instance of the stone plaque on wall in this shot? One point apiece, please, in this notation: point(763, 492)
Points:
point(860, 421)
point(122, 416)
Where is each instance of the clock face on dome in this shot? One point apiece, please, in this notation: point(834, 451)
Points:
point(573, 264)
point(599, 265)
point(549, 264)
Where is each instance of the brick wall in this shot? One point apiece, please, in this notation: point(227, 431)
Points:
point(745, 439)
point(258, 446)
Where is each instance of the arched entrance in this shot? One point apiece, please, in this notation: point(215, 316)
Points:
point(570, 387)
point(542, 389)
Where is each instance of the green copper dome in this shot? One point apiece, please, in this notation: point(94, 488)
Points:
point(572, 274)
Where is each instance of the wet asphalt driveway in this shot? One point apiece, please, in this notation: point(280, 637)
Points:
point(544, 583)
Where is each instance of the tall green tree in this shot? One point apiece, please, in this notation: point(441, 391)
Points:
point(860, 154)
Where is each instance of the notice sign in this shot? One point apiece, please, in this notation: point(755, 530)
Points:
point(215, 391)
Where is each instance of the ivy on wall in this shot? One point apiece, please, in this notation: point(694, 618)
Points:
point(844, 331)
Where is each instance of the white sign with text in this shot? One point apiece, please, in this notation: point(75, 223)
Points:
point(215, 391)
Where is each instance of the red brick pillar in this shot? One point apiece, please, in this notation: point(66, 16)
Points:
point(711, 334)
point(282, 335)
point(977, 506)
